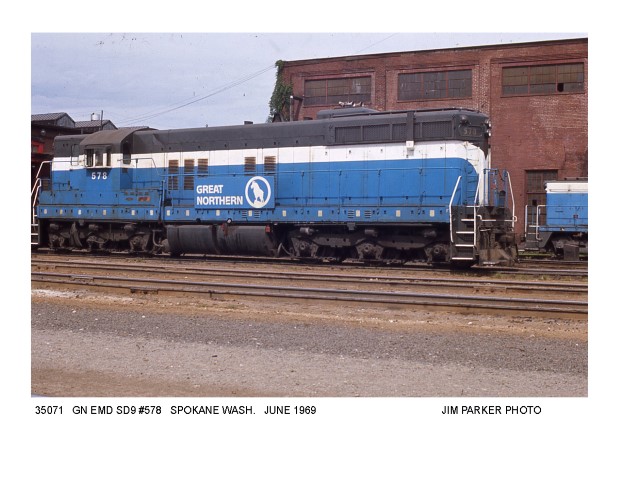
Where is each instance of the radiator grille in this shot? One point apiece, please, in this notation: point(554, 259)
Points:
point(188, 180)
point(202, 166)
point(173, 175)
point(434, 130)
point(347, 134)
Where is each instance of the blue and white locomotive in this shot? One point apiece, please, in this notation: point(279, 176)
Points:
point(352, 184)
point(561, 225)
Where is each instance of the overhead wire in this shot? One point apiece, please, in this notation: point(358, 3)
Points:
point(185, 103)
point(375, 43)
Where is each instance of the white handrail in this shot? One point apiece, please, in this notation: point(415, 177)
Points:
point(538, 213)
point(511, 192)
point(451, 200)
point(36, 188)
point(37, 178)
point(535, 220)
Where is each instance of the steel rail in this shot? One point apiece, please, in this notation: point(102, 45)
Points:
point(409, 267)
point(332, 277)
point(528, 306)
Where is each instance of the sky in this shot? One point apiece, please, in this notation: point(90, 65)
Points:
point(183, 80)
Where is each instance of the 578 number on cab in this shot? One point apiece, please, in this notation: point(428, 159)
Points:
point(98, 175)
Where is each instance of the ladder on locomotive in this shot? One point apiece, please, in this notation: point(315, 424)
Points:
point(34, 219)
point(464, 238)
point(34, 200)
point(468, 221)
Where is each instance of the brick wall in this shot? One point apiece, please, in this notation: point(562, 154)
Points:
point(530, 132)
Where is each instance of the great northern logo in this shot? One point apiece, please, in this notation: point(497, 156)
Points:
point(235, 192)
point(257, 192)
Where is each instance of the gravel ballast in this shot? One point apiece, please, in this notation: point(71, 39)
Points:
point(92, 345)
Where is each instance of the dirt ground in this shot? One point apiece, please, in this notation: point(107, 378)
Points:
point(148, 346)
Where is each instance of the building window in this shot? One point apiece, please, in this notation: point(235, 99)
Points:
point(37, 147)
point(331, 91)
point(536, 191)
point(540, 79)
point(435, 85)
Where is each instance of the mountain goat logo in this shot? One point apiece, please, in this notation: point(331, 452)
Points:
point(260, 192)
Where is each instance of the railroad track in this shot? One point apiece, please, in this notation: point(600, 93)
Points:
point(414, 279)
point(544, 267)
point(463, 294)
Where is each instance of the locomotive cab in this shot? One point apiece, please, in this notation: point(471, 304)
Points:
point(95, 200)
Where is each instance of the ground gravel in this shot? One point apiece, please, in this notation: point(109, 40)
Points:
point(92, 345)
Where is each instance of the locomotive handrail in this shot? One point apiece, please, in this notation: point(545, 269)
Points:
point(538, 214)
point(36, 188)
point(34, 195)
point(508, 180)
point(451, 200)
point(511, 193)
point(158, 170)
point(532, 223)
point(38, 176)
point(535, 223)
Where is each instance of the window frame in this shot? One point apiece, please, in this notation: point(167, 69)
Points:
point(428, 81)
point(535, 190)
point(538, 76)
point(98, 156)
point(355, 88)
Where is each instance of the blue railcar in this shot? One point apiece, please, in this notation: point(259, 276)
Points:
point(562, 223)
point(354, 183)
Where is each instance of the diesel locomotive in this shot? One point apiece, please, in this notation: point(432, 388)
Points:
point(354, 183)
point(561, 226)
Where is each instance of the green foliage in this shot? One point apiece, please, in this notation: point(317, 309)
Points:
point(280, 99)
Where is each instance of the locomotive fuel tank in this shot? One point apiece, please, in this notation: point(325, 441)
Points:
point(221, 239)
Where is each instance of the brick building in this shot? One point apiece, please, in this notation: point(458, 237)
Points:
point(45, 127)
point(535, 93)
